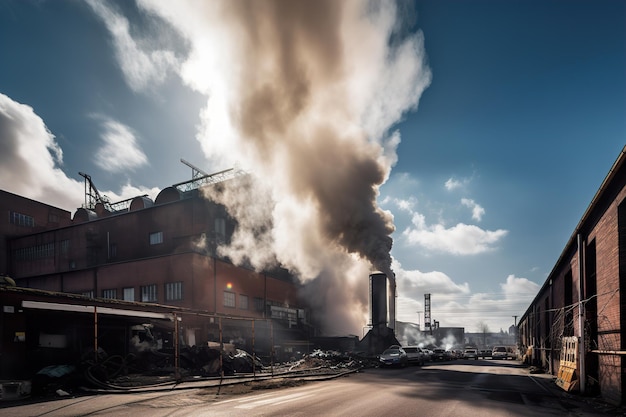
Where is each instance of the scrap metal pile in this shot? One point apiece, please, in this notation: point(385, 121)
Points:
point(158, 367)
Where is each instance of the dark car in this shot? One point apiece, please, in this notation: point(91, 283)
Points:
point(440, 355)
point(395, 356)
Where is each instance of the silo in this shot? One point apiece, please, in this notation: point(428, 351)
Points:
point(167, 195)
point(83, 215)
point(140, 202)
point(378, 299)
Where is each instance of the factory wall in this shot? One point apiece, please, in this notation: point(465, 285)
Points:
point(584, 297)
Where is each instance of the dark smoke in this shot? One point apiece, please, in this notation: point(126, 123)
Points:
point(304, 94)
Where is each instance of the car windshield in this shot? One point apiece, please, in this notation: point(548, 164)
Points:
point(500, 349)
point(391, 352)
point(410, 350)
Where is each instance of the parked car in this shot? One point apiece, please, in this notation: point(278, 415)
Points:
point(415, 355)
point(499, 352)
point(483, 353)
point(440, 355)
point(470, 353)
point(394, 356)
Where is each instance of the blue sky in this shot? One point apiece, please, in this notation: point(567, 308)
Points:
point(495, 122)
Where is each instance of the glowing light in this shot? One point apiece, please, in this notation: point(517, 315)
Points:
point(229, 286)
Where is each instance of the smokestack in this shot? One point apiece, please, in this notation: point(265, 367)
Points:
point(379, 304)
point(378, 299)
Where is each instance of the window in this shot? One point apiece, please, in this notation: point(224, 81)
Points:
point(259, 304)
point(129, 294)
point(156, 238)
point(173, 291)
point(149, 293)
point(220, 230)
point(112, 294)
point(229, 299)
point(65, 246)
point(87, 293)
point(243, 302)
point(22, 219)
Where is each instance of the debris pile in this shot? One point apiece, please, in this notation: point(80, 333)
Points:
point(150, 368)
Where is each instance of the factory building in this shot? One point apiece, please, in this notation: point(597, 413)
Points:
point(574, 328)
point(161, 253)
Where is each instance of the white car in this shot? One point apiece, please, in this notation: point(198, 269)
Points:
point(499, 352)
point(470, 354)
point(415, 354)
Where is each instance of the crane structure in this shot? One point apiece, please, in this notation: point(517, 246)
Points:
point(200, 178)
point(92, 195)
point(195, 171)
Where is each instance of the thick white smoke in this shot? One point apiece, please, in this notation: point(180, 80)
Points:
point(304, 95)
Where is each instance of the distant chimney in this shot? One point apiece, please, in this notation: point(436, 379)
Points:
point(378, 299)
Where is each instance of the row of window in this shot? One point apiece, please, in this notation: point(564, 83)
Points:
point(46, 250)
point(174, 292)
point(230, 300)
point(29, 221)
point(148, 293)
point(35, 252)
point(21, 219)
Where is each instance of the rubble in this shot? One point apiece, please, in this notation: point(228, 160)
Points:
point(151, 368)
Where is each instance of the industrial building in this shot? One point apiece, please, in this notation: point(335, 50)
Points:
point(136, 255)
point(573, 328)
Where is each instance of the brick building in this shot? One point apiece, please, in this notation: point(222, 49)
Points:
point(160, 252)
point(583, 299)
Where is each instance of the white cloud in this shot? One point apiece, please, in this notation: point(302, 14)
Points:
point(515, 287)
point(120, 150)
point(461, 239)
point(404, 204)
point(414, 283)
point(141, 69)
point(452, 184)
point(477, 210)
point(31, 161)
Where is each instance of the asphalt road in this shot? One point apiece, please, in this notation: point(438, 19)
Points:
point(468, 388)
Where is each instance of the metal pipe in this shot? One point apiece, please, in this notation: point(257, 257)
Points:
point(272, 347)
point(221, 349)
point(581, 312)
point(95, 334)
point(176, 350)
point(253, 354)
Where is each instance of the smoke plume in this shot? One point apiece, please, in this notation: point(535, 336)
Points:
point(304, 96)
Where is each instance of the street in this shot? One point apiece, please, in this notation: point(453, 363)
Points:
point(468, 388)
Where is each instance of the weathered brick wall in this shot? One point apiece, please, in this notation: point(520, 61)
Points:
point(606, 235)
